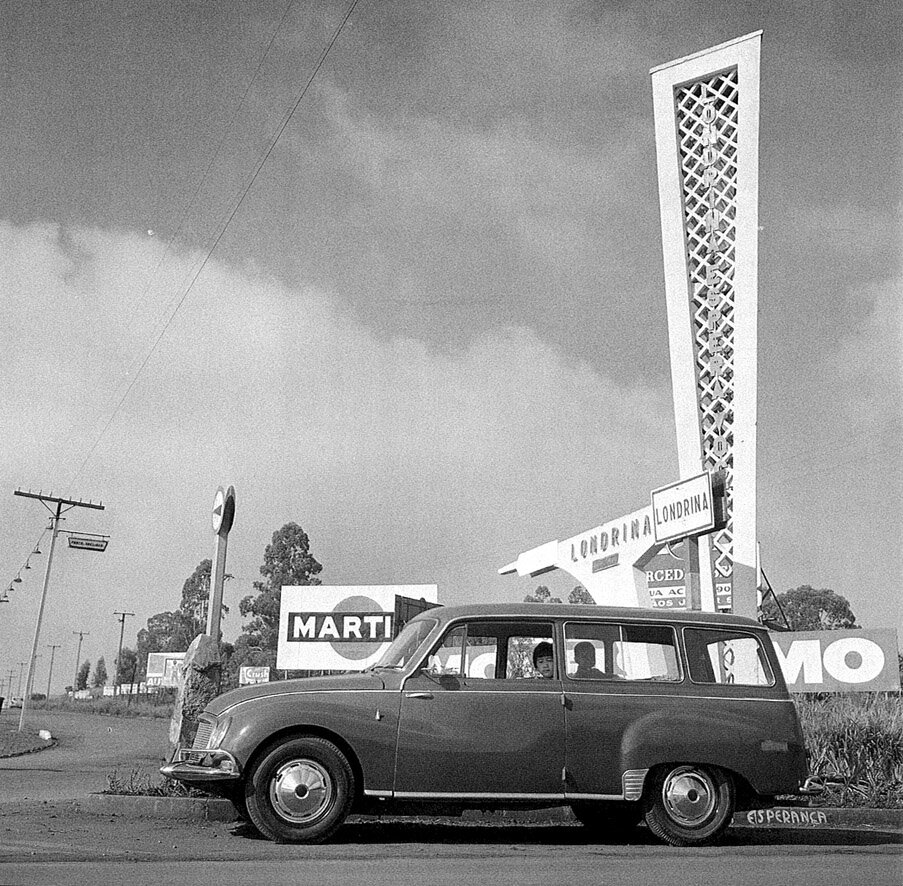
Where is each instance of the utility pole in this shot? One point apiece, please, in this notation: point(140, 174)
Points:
point(78, 655)
point(53, 648)
point(9, 683)
point(56, 516)
point(21, 667)
point(122, 618)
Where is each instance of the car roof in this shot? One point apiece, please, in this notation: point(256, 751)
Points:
point(571, 611)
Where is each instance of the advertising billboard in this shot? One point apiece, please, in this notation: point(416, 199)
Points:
point(343, 628)
point(163, 668)
point(838, 661)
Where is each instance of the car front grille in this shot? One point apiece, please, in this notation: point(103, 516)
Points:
point(202, 736)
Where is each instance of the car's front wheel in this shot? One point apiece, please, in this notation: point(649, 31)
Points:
point(300, 791)
point(690, 805)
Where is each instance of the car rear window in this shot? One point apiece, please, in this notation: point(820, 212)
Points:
point(612, 651)
point(726, 657)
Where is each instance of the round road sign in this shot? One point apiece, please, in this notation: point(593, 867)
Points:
point(219, 506)
point(223, 511)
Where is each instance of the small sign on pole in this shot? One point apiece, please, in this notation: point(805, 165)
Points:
point(84, 543)
point(683, 509)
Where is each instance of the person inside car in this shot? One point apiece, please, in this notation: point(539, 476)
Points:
point(544, 660)
point(585, 656)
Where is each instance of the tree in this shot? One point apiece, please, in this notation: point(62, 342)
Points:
point(81, 678)
point(195, 596)
point(287, 560)
point(100, 674)
point(581, 595)
point(808, 609)
point(541, 595)
point(173, 631)
point(126, 666)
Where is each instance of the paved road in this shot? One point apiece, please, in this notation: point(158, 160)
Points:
point(52, 840)
point(90, 747)
point(56, 843)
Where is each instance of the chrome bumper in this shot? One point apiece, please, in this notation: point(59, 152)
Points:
point(194, 766)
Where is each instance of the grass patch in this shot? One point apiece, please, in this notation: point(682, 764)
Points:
point(109, 706)
point(143, 784)
point(855, 744)
point(13, 743)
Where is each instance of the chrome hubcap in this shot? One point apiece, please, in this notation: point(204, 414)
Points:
point(689, 796)
point(301, 791)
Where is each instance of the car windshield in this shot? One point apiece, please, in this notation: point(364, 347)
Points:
point(406, 643)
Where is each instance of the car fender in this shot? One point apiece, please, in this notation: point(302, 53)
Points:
point(770, 761)
point(362, 724)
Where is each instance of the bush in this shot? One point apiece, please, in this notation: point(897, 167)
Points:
point(141, 784)
point(855, 744)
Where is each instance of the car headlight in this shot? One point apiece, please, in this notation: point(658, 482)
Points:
point(219, 733)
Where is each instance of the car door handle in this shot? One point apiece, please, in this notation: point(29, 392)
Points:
point(418, 695)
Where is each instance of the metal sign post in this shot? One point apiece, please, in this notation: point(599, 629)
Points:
point(221, 521)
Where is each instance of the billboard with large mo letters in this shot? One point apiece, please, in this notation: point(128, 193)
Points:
point(838, 661)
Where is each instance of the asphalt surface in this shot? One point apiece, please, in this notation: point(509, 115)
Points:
point(61, 843)
point(51, 840)
point(89, 748)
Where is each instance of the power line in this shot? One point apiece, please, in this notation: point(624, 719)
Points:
point(172, 239)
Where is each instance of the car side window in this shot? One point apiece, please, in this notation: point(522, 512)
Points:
point(609, 651)
point(726, 657)
point(525, 654)
point(494, 650)
point(446, 655)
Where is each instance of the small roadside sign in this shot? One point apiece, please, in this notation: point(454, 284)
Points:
point(250, 675)
point(683, 509)
point(84, 543)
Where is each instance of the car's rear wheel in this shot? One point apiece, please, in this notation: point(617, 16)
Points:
point(300, 791)
point(608, 820)
point(689, 805)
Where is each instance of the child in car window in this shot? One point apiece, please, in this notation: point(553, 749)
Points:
point(544, 660)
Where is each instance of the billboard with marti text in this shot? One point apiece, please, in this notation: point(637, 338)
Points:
point(839, 661)
point(343, 628)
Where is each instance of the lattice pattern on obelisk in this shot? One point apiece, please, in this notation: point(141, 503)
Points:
point(707, 114)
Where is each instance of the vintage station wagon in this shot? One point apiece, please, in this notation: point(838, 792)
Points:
point(623, 714)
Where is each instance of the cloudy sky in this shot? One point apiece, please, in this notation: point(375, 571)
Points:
point(433, 332)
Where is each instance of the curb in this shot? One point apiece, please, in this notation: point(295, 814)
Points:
point(821, 818)
point(795, 818)
point(196, 808)
point(34, 749)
